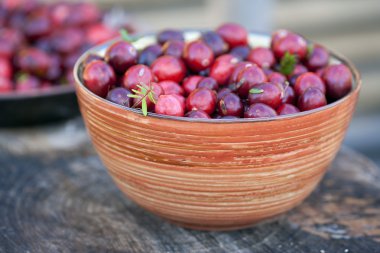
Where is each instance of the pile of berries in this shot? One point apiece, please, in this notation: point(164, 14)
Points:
point(218, 75)
point(39, 42)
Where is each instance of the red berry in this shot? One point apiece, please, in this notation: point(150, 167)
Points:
point(286, 109)
point(298, 70)
point(237, 69)
point(91, 57)
point(137, 74)
point(249, 77)
point(201, 99)
point(318, 58)
point(277, 77)
point(169, 34)
point(198, 114)
point(307, 80)
point(312, 98)
point(98, 77)
point(169, 105)
point(98, 33)
point(338, 79)
point(27, 83)
point(241, 52)
point(223, 67)
point(259, 110)
point(277, 35)
point(157, 91)
point(209, 83)
point(230, 105)
point(121, 55)
point(6, 70)
point(68, 40)
point(149, 54)
point(119, 96)
point(271, 95)
point(292, 43)
point(198, 56)
point(262, 56)
point(222, 93)
point(168, 67)
point(5, 85)
point(170, 87)
point(289, 96)
point(174, 48)
point(190, 83)
point(215, 42)
point(33, 61)
point(37, 27)
point(233, 34)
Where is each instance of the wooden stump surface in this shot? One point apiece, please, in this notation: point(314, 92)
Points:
point(56, 196)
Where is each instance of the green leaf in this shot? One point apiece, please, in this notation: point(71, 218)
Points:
point(144, 107)
point(133, 96)
point(151, 98)
point(142, 88)
point(310, 49)
point(256, 91)
point(288, 63)
point(125, 35)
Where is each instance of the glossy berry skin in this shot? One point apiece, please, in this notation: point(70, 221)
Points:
point(237, 69)
point(98, 77)
point(298, 70)
point(248, 78)
point(98, 33)
point(215, 42)
point(259, 110)
point(174, 48)
point(312, 98)
point(198, 56)
point(271, 95)
point(119, 96)
point(121, 55)
point(149, 54)
point(190, 83)
point(338, 79)
point(230, 105)
point(27, 83)
point(6, 69)
point(137, 74)
point(278, 78)
point(5, 85)
point(37, 27)
point(223, 67)
point(286, 109)
point(318, 58)
point(241, 52)
point(222, 92)
point(197, 114)
point(170, 105)
point(292, 43)
point(209, 83)
point(157, 92)
point(169, 34)
point(262, 56)
point(170, 87)
point(308, 80)
point(233, 34)
point(91, 57)
point(277, 35)
point(289, 96)
point(33, 61)
point(67, 40)
point(201, 99)
point(168, 67)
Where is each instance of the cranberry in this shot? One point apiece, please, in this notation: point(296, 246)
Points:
point(137, 74)
point(168, 67)
point(170, 87)
point(338, 79)
point(54, 71)
point(33, 61)
point(169, 34)
point(298, 70)
point(38, 27)
point(237, 69)
point(292, 43)
point(230, 105)
point(312, 98)
point(209, 83)
point(198, 114)
point(249, 77)
point(307, 80)
point(91, 57)
point(201, 99)
point(319, 72)
point(222, 93)
point(241, 52)
point(271, 95)
point(277, 35)
point(27, 83)
point(289, 96)
point(277, 77)
point(233, 34)
point(190, 83)
point(174, 48)
point(98, 33)
point(119, 96)
point(259, 110)
point(262, 56)
point(318, 58)
point(215, 42)
point(222, 68)
point(149, 54)
point(121, 55)
point(157, 92)
point(5, 85)
point(7, 48)
point(198, 56)
point(98, 77)
point(83, 14)
point(286, 109)
point(170, 105)
point(6, 69)
point(67, 40)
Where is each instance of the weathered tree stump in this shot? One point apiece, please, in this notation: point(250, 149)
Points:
point(64, 201)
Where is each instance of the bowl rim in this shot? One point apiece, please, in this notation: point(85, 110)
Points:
point(95, 50)
point(60, 89)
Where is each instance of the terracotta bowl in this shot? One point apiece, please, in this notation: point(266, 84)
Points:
point(215, 174)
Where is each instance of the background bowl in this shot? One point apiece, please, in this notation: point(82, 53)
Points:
point(215, 174)
point(37, 107)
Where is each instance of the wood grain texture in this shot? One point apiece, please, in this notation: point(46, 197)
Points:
point(64, 201)
point(212, 175)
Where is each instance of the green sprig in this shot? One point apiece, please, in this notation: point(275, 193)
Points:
point(125, 35)
point(256, 91)
point(142, 94)
point(288, 63)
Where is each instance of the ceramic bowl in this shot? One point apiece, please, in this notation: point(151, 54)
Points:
point(215, 174)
